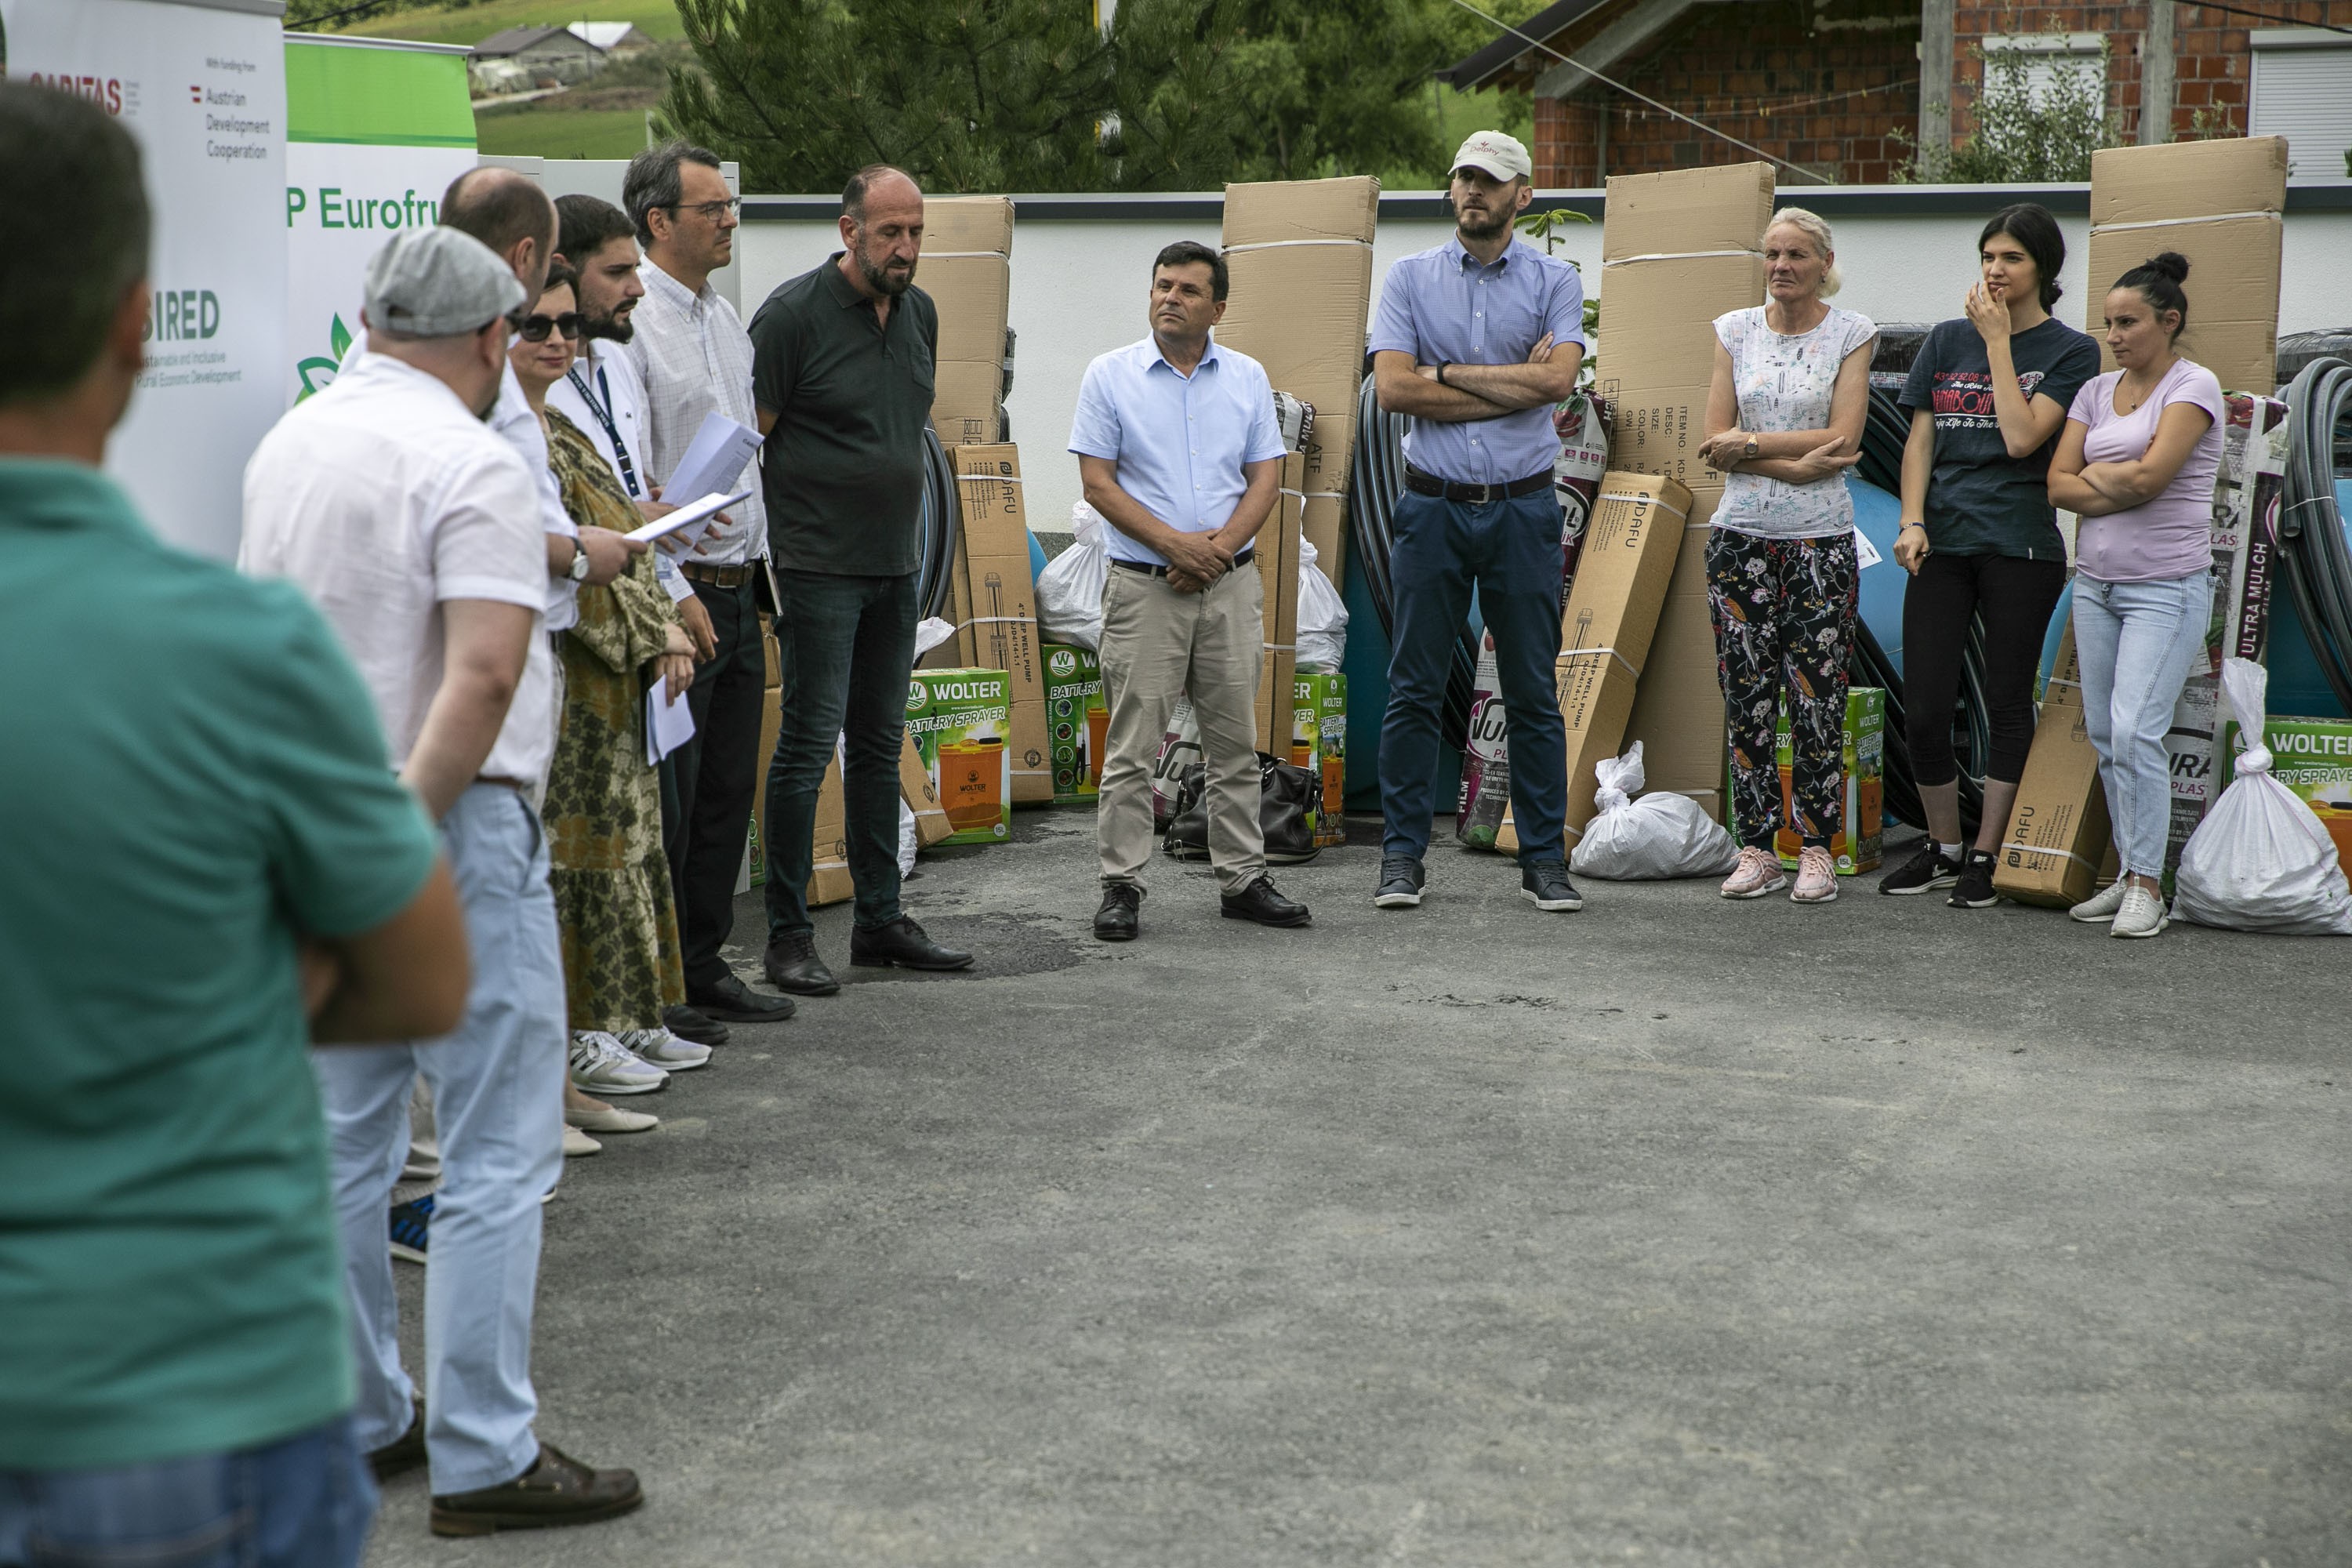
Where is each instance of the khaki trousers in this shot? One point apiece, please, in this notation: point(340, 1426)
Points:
point(1159, 645)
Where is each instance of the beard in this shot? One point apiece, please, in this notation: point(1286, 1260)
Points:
point(881, 280)
point(1482, 226)
point(608, 328)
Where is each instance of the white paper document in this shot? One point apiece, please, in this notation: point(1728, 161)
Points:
point(694, 515)
point(715, 459)
point(1865, 553)
point(668, 725)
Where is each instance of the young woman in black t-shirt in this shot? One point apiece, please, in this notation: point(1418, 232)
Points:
point(1988, 396)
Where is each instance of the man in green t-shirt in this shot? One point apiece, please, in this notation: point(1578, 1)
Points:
point(206, 841)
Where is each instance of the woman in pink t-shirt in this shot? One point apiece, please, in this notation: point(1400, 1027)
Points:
point(2137, 461)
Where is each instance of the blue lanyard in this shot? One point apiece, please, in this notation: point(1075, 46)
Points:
point(605, 416)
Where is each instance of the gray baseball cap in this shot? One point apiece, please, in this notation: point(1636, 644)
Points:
point(439, 283)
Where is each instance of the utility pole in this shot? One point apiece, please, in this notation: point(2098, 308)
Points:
point(2159, 55)
point(1935, 80)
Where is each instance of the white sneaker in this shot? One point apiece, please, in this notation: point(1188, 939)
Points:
point(2142, 913)
point(577, 1144)
point(601, 1065)
point(659, 1047)
point(2101, 907)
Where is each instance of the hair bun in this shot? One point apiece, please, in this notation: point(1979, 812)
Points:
point(2170, 263)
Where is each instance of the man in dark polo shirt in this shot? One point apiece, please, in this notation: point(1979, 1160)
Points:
point(842, 374)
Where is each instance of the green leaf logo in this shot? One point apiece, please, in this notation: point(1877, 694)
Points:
point(338, 338)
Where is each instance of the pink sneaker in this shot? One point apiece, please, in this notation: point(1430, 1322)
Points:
point(1757, 873)
point(1816, 877)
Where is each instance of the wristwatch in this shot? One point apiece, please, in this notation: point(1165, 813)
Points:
point(1751, 449)
point(579, 570)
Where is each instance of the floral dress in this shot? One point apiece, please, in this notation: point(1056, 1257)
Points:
point(622, 963)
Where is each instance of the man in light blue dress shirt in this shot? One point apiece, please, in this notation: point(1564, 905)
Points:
point(1178, 445)
point(1476, 340)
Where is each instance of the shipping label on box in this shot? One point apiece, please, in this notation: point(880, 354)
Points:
point(1077, 722)
point(2313, 757)
point(2246, 499)
point(2057, 834)
point(1858, 843)
point(996, 595)
point(1319, 742)
point(958, 719)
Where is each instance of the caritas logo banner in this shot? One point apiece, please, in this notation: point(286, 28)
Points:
point(204, 90)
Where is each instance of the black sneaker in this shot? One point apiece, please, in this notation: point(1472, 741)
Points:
point(1973, 889)
point(1929, 870)
point(412, 1229)
point(1546, 885)
point(1401, 883)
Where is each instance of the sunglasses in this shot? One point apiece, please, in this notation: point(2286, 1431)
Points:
point(535, 329)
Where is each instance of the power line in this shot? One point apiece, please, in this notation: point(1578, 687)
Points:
point(1643, 97)
point(2267, 17)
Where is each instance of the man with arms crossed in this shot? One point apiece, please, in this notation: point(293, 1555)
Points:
point(174, 1374)
point(693, 359)
point(845, 362)
point(416, 529)
point(1180, 450)
point(1476, 340)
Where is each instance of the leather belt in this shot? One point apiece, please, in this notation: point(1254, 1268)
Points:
point(717, 576)
point(515, 784)
point(1146, 567)
point(1477, 495)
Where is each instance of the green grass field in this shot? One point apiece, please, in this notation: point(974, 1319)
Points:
point(530, 132)
point(656, 19)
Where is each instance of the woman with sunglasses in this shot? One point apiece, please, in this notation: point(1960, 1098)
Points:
point(621, 954)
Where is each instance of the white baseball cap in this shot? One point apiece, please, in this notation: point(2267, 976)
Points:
point(1497, 155)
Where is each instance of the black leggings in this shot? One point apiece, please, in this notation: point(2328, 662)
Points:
point(2016, 598)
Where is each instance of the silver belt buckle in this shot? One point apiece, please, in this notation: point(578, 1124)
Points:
point(1486, 496)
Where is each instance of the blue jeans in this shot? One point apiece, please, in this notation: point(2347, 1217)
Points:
point(848, 649)
point(497, 1103)
point(305, 1502)
point(1511, 550)
point(2135, 642)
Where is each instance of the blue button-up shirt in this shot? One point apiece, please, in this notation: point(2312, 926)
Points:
point(1179, 440)
point(1444, 307)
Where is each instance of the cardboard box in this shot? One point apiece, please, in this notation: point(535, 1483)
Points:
point(2221, 204)
point(1319, 742)
point(1077, 722)
point(771, 720)
point(967, 269)
point(958, 719)
point(1277, 568)
point(996, 606)
point(1631, 548)
point(920, 794)
point(2313, 757)
point(1678, 249)
point(2246, 499)
point(1300, 253)
point(1858, 845)
point(829, 882)
point(2058, 831)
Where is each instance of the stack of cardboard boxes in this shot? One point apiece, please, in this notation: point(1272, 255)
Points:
point(1300, 258)
point(1678, 250)
point(993, 602)
point(967, 269)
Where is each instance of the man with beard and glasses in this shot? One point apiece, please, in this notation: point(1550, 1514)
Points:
point(844, 359)
point(693, 360)
point(602, 395)
point(1476, 341)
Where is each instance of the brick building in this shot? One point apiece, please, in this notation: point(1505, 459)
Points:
point(1836, 86)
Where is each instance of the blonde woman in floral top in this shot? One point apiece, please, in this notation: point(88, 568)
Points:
point(603, 814)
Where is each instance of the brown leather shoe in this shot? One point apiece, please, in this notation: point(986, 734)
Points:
point(404, 1453)
point(556, 1490)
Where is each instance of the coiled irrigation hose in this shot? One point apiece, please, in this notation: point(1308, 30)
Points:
point(1376, 480)
point(2318, 565)
point(938, 522)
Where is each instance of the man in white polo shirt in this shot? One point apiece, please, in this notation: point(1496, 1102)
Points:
point(417, 530)
point(1180, 450)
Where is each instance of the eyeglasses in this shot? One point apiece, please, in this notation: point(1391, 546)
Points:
point(712, 211)
point(535, 329)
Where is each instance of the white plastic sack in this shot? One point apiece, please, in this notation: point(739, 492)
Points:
point(2261, 859)
point(909, 840)
point(1650, 839)
point(929, 632)
point(1322, 616)
point(1070, 588)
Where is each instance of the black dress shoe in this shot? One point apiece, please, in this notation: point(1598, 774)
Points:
point(792, 965)
point(1261, 902)
point(687, 1024)
point(901, 942)
point(405, 1452)
point(1117, 920)
point(738, 1004)
point(556, 1490)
